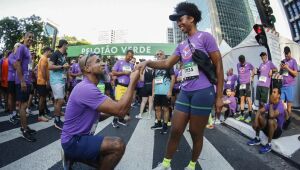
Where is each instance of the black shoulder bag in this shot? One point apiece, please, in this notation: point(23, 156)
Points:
point(204, 63)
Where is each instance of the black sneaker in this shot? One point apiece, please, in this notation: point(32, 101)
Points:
point(58, 124)
point(164, 129)
point(114, 123)
point(31, 131)
point(122, 121)
point(13, 120)
point(27, 135)
point(157, 126)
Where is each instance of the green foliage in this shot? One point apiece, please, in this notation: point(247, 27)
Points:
point(73, 41)
point(10, 31)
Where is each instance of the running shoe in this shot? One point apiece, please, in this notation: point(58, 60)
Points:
point(139, 116)
point(248, 120)
point(122, 122)
point(13, 120)
point(169, 124)
point(164, 129)
point(265, 149)
point(217, 122)
point(28, 110)
point(255, 141)
point(161, 167)
point(114, 123)
point(58, 124)
point(31, 131)
point(240, 118)
point(157, 125)
point(26, 135)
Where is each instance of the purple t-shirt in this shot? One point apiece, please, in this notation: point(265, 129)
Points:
point(230, 81)
point(202, 41)
point(23, 55)
point(288, 79)
point(232, 104)
point(264, 79)
point(11, 69)
point(177, 84)
point(280, 107)
point(120, 66)
point(81, 111)
point(75, 69)
point(244, 72)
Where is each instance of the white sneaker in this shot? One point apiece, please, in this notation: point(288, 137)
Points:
point(161, 167)
point(28, 111)
point(217, 122)
point(139, 116)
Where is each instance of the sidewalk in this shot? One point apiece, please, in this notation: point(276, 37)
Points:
point(288, 145)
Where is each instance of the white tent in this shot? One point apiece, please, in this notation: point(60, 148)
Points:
point(251, 50)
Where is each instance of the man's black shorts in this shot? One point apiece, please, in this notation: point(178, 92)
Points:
point(162, 100)
point(146, 91)
point(42, 90)
point(262, 94)
point(277, 132)
point(11, 87)
point(245, 92)
point(22, 96)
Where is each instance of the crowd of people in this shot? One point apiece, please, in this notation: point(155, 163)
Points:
point(175, 89)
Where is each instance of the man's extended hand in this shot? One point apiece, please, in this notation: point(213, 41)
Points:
point(141, 66)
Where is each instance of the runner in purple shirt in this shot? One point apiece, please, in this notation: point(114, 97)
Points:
point(264, 73)
point(270, 119)
point(197, 95)
point(245, 74)
point(230, 80)
point(229, 103)
point(289, 70)
point(23, 64)
point(12, 86)
point(82, 115)
point(76, 74)
point(122, 70)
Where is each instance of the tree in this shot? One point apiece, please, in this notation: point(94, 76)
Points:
point(73, 41)
point(10, 32)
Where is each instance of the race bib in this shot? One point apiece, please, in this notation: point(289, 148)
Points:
point(158, 80)
point(285, 73)
point(126, 68)
point(242, 86)
point(190, 71)
point(30, 66)
point(262, 79)
point(228, 82)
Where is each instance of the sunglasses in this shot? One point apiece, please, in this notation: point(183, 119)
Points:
point(159, 54)
point(88, 56)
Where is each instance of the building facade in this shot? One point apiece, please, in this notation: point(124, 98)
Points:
point(170, 35)
point(292, 10)
point(113, 36)
point(230, 20)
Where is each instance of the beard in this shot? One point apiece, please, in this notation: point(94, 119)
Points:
point(101, 76)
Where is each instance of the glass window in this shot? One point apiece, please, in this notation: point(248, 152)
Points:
point(290, 12)
point(296, 30)
point(295, 9)
point(298, 5)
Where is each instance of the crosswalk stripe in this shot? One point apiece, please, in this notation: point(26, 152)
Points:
point(210, 158)
point(139, 149)
point(47, 156)
point(36, 112)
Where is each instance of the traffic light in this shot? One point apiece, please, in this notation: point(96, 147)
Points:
point(260, 37)
point(265, 12)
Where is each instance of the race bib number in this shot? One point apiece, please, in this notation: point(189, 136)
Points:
point(190, 71)
point(158, 80)
point(126, 68)
point(262, 79)
point(285, 73)
point(228, 82)
point(242, 86)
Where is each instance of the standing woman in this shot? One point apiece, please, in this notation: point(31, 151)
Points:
point(197, 96)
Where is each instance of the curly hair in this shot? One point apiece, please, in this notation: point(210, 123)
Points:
point(191, 8)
